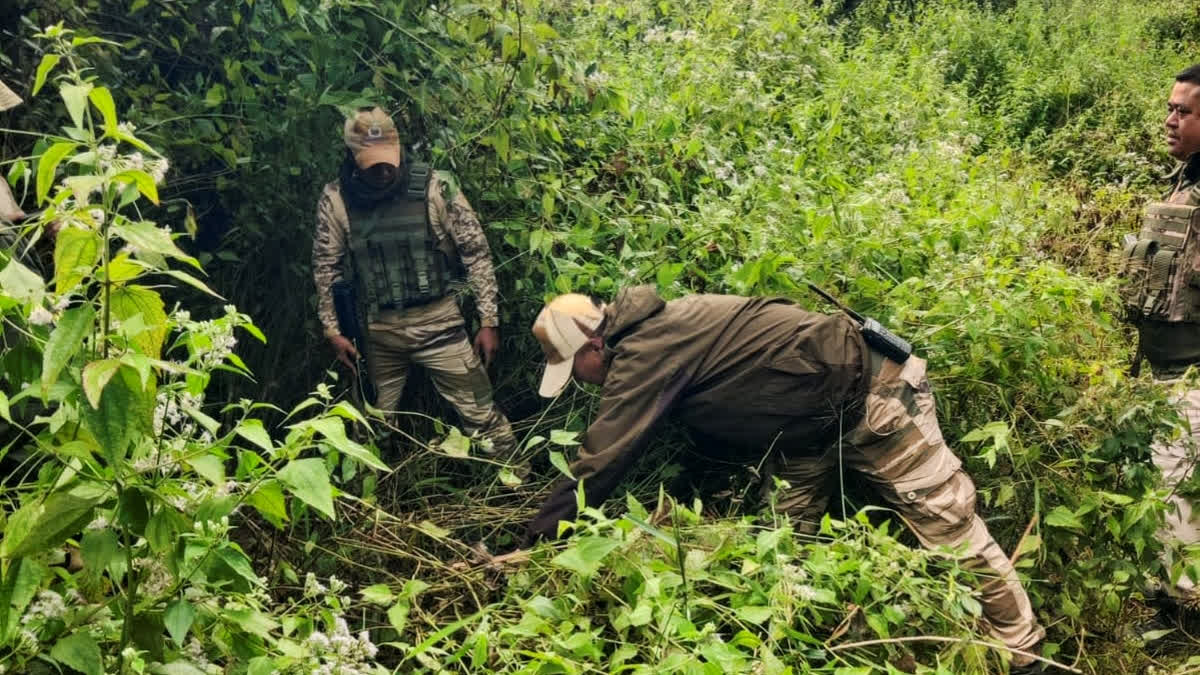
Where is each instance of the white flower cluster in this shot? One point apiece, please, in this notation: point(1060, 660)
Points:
point(40, 316)
point(341, 653)
point(171, 411)
point(213, 351)
point(49, 605)
point(156, 579)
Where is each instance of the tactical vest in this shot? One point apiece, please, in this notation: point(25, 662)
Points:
point(1162, 267)
point(398, 262)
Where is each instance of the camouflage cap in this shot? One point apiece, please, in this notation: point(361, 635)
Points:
point(8, 98)
point(562, 328)
point(372, 137)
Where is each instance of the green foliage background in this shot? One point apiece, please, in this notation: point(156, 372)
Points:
point(959, 170)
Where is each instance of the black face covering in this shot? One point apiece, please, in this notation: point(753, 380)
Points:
point(361, 192)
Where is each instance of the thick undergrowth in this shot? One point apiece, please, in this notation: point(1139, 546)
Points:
point(960, 170)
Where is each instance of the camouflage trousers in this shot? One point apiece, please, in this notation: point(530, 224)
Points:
point(897, 448)
point(457, 374)
point(1177, 460)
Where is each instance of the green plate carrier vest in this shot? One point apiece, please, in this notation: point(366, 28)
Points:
point(398, 262)
point(1162, 267)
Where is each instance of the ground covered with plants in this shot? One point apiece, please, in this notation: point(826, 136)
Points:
point(188, 488)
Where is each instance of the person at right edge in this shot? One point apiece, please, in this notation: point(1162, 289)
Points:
point(1162, 298)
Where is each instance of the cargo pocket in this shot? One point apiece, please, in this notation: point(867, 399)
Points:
point(941, 516)
point(476, 380)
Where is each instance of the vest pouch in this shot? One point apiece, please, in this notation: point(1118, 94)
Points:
point(1161, 269)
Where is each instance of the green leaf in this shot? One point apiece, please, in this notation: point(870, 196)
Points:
point(238, 562)
point(50, 522)
point(48, 166)
point(99, 548)
point(95, 376)
point(1152, 635)
point(1063, 517)
point(564, 438)
point(178, 619)
point(21, 283)
point(65, 341)
point(269, 501)
point(585, 554)
point(398, 616)
point(377, 594)
point(559, 462)
point(252, 430)
point(142, 180)
point(308, 479)
point(210, 467)
point(433, 530)
point(43, 70)
point(103, 100)
point(252, 621)
point(22, 581)
point(163, 529)
point(75, 253)
point(133, 300)
point(75, 96)
point(334, 431)
point(145, 237)
point(5, 413)
point(125, 412)
point(455, 444)
point(80, 652)
point(194, 283)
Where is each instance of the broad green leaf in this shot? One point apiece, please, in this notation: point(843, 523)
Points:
point(43, 70)
point(754, 614)
point(560, 462)
point(252, 621)
point(239, 563)
point(210, 467)
point(124, 413)
point(22, 580)
point(103, 100)
point(75, 253)
point(61, 515)
point(268, 500)
point(48, 166)
point(563, 437)
point(178, 619)
point(1063, 517)
point(5, 413)
point(80, 652)
point(65, 341)
point(253, 431)
point(180, 667)
point(377, 594)
point(308, 479)
point(585, 554)
point(398, 616)
point(21, 283)
point(198, 285)
point(508, 478)
point(95, 376)
point(122, 269)
point(132, 300)
point(142, 180)
point(334, 431)
point(455, 444)
point(163, 529)
point(99, 547)
point(147, 238)
point(76, 97)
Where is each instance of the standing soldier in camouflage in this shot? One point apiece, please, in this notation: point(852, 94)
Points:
point(768, 379)
point(1162, 267)
point(410, 242)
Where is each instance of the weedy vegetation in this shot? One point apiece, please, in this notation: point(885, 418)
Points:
point(187, 487)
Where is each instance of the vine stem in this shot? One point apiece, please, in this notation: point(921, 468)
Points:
point(940, 638)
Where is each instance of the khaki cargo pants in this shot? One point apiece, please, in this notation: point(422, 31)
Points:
point(397, 342)
point(898, 449)
point(1177, 460)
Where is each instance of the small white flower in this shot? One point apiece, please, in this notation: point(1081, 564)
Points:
point(40, 316)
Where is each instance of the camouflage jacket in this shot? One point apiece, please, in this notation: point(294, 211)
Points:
point(451, 216)
point(1183, 179)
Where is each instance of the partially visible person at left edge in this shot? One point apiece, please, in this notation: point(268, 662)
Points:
point(410, 241)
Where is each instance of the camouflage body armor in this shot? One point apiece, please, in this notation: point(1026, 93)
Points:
point(398, 262)
point(1162, 267)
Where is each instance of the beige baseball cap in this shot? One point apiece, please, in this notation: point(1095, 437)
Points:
point(563, 327)
point(372, 137)
point(8, 98)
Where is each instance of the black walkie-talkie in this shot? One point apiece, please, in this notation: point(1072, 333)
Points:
point(883, 340)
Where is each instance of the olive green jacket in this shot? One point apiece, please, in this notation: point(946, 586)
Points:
point(752, 373)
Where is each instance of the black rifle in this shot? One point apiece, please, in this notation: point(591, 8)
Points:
point(345, 304)
point(883, 340)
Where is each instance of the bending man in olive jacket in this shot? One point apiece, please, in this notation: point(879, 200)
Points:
point(763, 375)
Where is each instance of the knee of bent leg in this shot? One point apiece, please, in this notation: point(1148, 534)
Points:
point(944, 515)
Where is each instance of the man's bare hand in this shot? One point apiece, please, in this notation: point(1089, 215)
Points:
point(345, 351)
point(487, 343)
